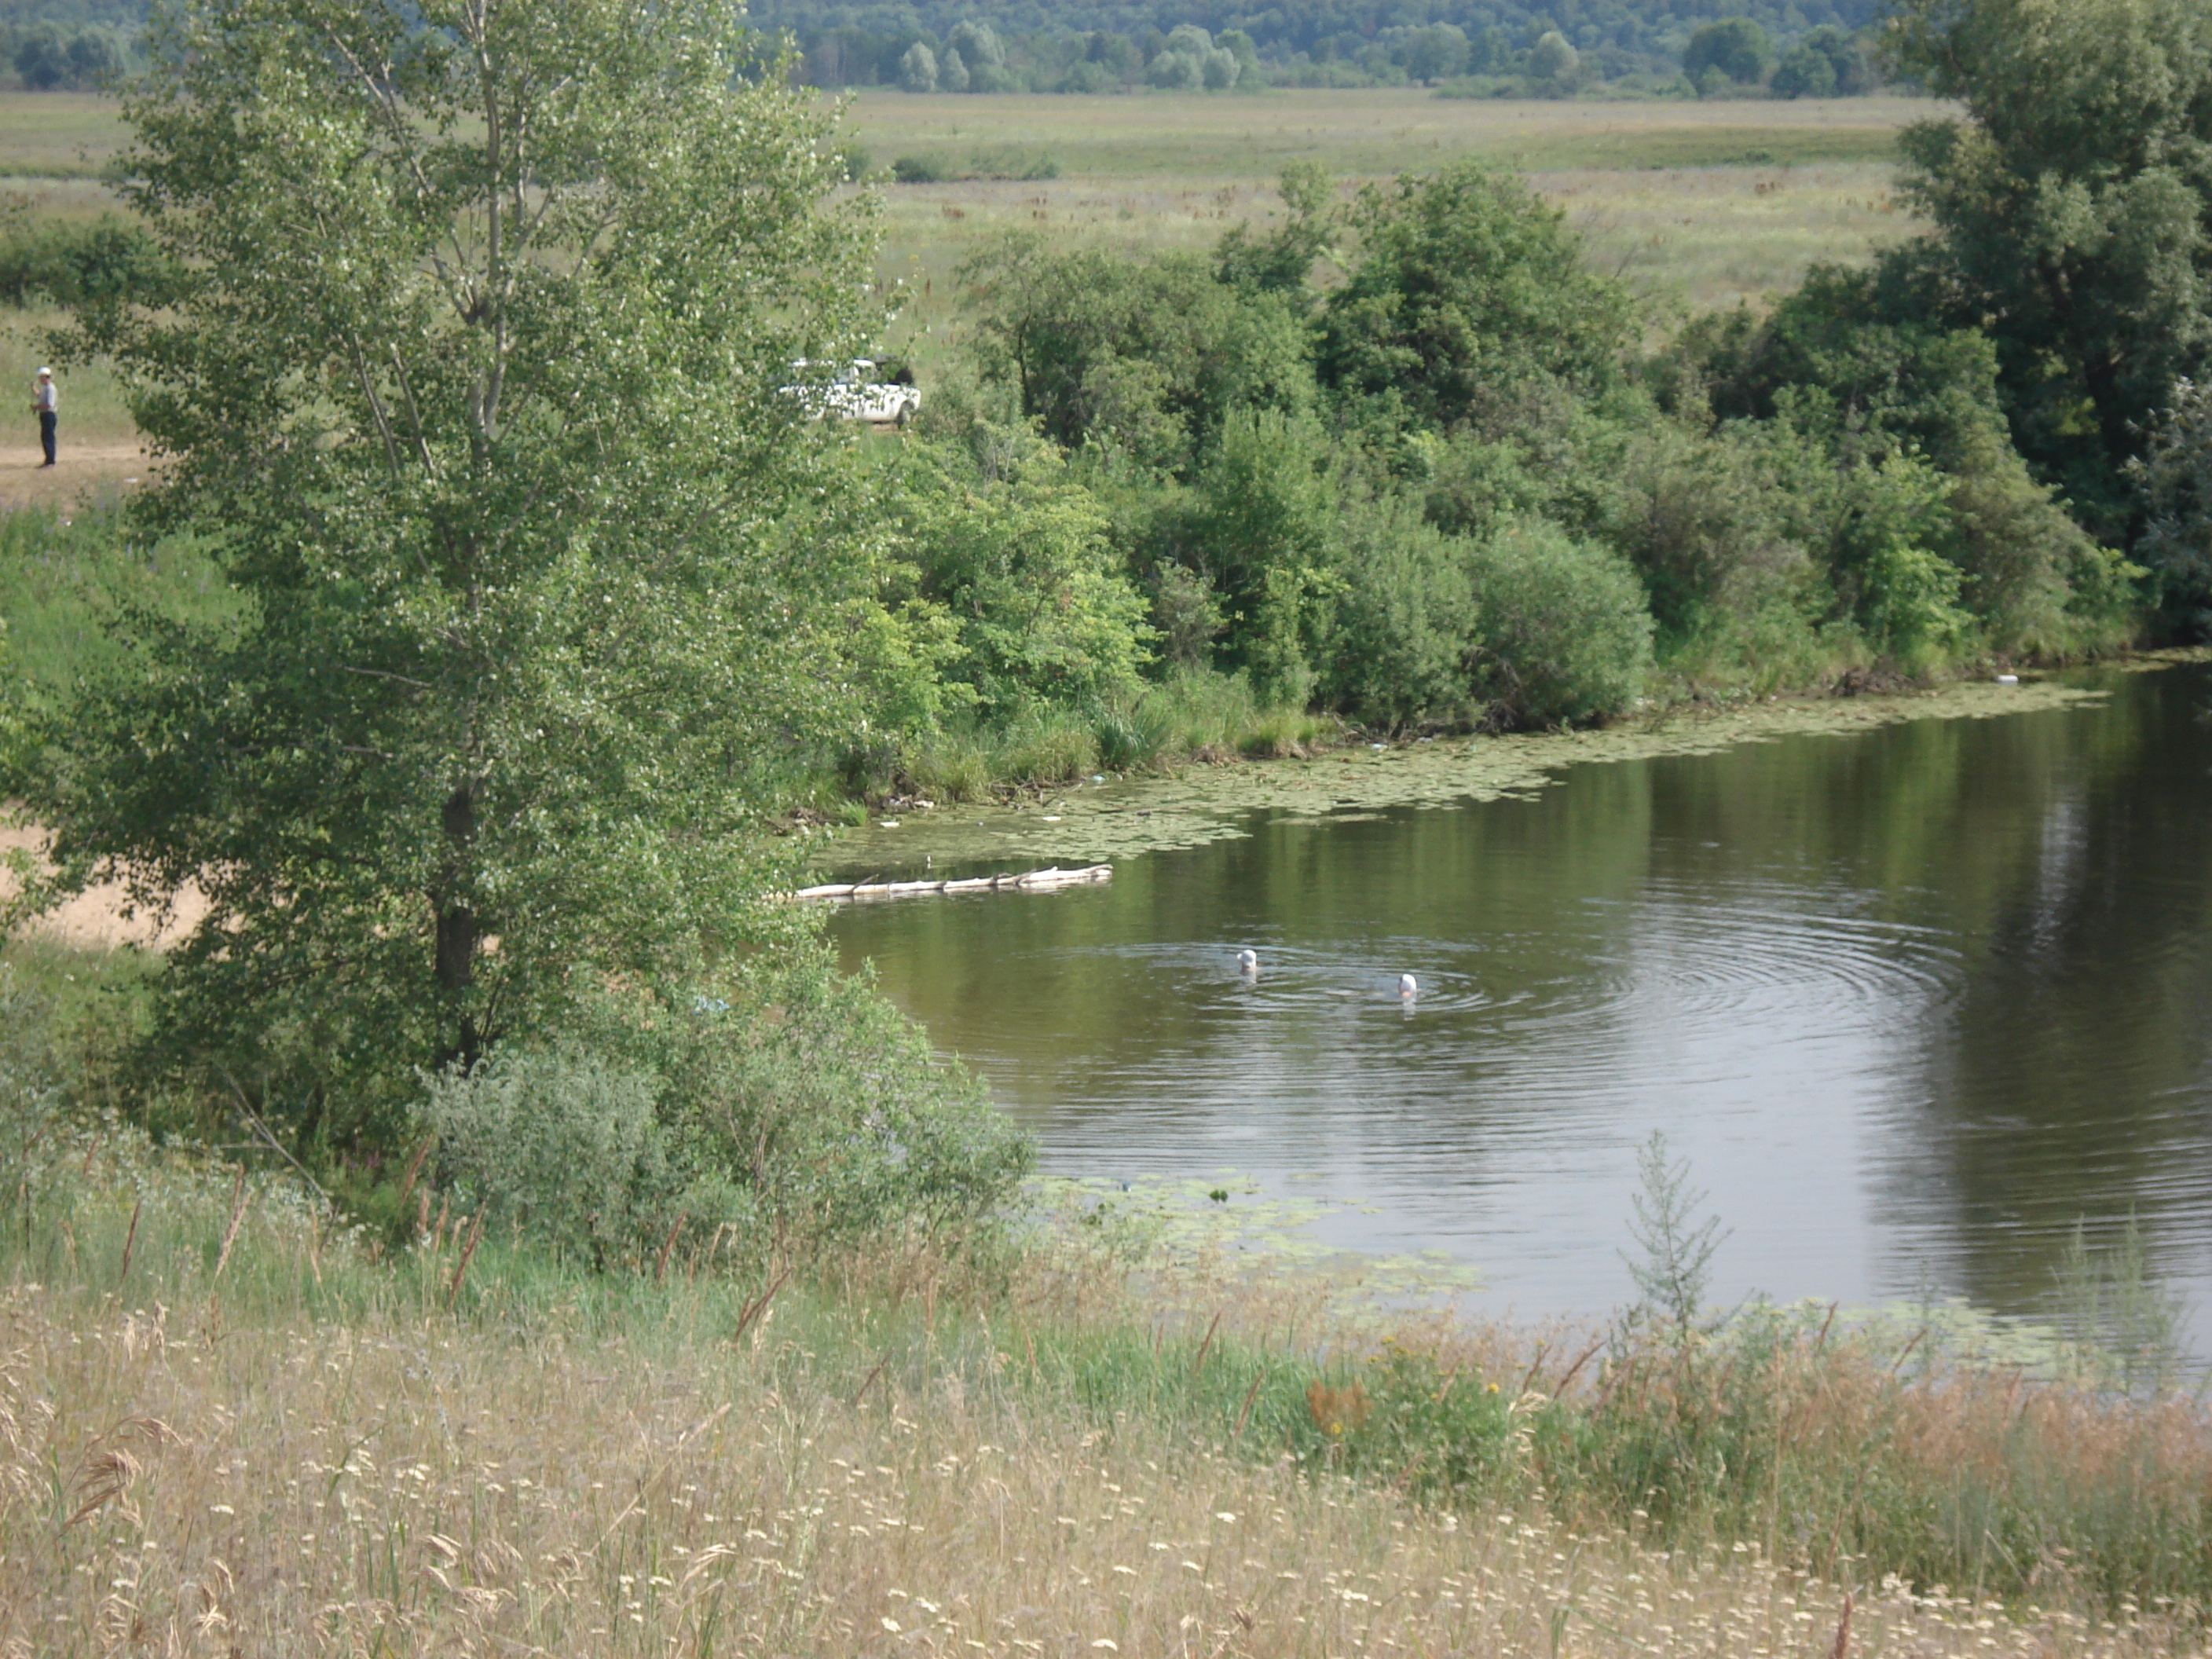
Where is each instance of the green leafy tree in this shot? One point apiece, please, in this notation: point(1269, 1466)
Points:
point(1146, 358)
point(1826, 62)
point(1466, 285)
point(1015, 555)
point(1116, 54)
point(2175, 480)
point(1552, 57)
point(1281, 261)
point(1805, 72)
point(978, 45)
point(1864, 374)
point(96, 55)
point(469, 378)
point(1736, 47)
point(2073, 214)
point(1262, 529)
point(42, 56)
point(1177, 69)
point(1435, 53)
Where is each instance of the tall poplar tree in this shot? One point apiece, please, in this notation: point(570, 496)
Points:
point(469, 383)
point(2072, 206)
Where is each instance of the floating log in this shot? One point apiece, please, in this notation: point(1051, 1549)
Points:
point(1031, 881)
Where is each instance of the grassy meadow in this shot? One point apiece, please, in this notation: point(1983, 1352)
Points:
point(229, 1425)
point(1697, 206)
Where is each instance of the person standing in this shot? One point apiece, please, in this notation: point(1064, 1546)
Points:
point(46, 404)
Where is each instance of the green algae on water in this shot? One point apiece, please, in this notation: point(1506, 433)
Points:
point(1101, 820)
point(1228, 1220)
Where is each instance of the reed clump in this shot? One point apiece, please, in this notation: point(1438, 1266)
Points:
point(1190, 715)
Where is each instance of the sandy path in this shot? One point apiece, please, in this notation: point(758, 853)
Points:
point(94, 920)
point(80, 470)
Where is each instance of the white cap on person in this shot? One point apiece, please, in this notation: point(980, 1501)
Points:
point(45, 374)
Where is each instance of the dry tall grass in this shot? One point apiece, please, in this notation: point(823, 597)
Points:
point(222, 1430)
point(176, 1483)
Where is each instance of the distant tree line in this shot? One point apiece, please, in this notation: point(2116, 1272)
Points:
point(68, 45)
point(1820, 51)
point(1497, 48)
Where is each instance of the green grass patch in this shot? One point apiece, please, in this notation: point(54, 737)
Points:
point(1841, 1452)
point(59, 134)
point(1659, 149)
point(65, 575)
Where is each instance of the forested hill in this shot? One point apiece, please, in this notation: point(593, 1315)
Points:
point(1550, 48)
point(1363, 39)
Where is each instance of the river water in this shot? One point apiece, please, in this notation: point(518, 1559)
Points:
point(1912, 1001)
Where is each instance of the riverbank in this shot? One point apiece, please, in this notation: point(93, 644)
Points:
point(224, 1417)
point(1101, 817)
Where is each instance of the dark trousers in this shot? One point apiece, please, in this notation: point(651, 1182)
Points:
point(46, 422)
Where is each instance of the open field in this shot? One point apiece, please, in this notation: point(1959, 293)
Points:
point(1695, 204)
point(1364, 132)
point(93, 422)
point(57, 135)
point(1686, 239)
point(1370, 132)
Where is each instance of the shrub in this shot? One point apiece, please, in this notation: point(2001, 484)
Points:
point(1561, 633)
point(1186, 614)
point(77, 264)
point(1018, 560)
point(918, 170)
point(1404, 620)
point(1141, 358)
point(1467, 283)
point(1845, 372)
point(563, 1145)
point(1904, 593)
point(1263, 526)
point(797, 1104)
point(825, 1108)
point(1706, 520)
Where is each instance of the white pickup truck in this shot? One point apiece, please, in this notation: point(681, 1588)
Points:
point(855, 393)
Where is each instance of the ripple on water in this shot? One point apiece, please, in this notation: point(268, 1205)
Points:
point(1885, 1038)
